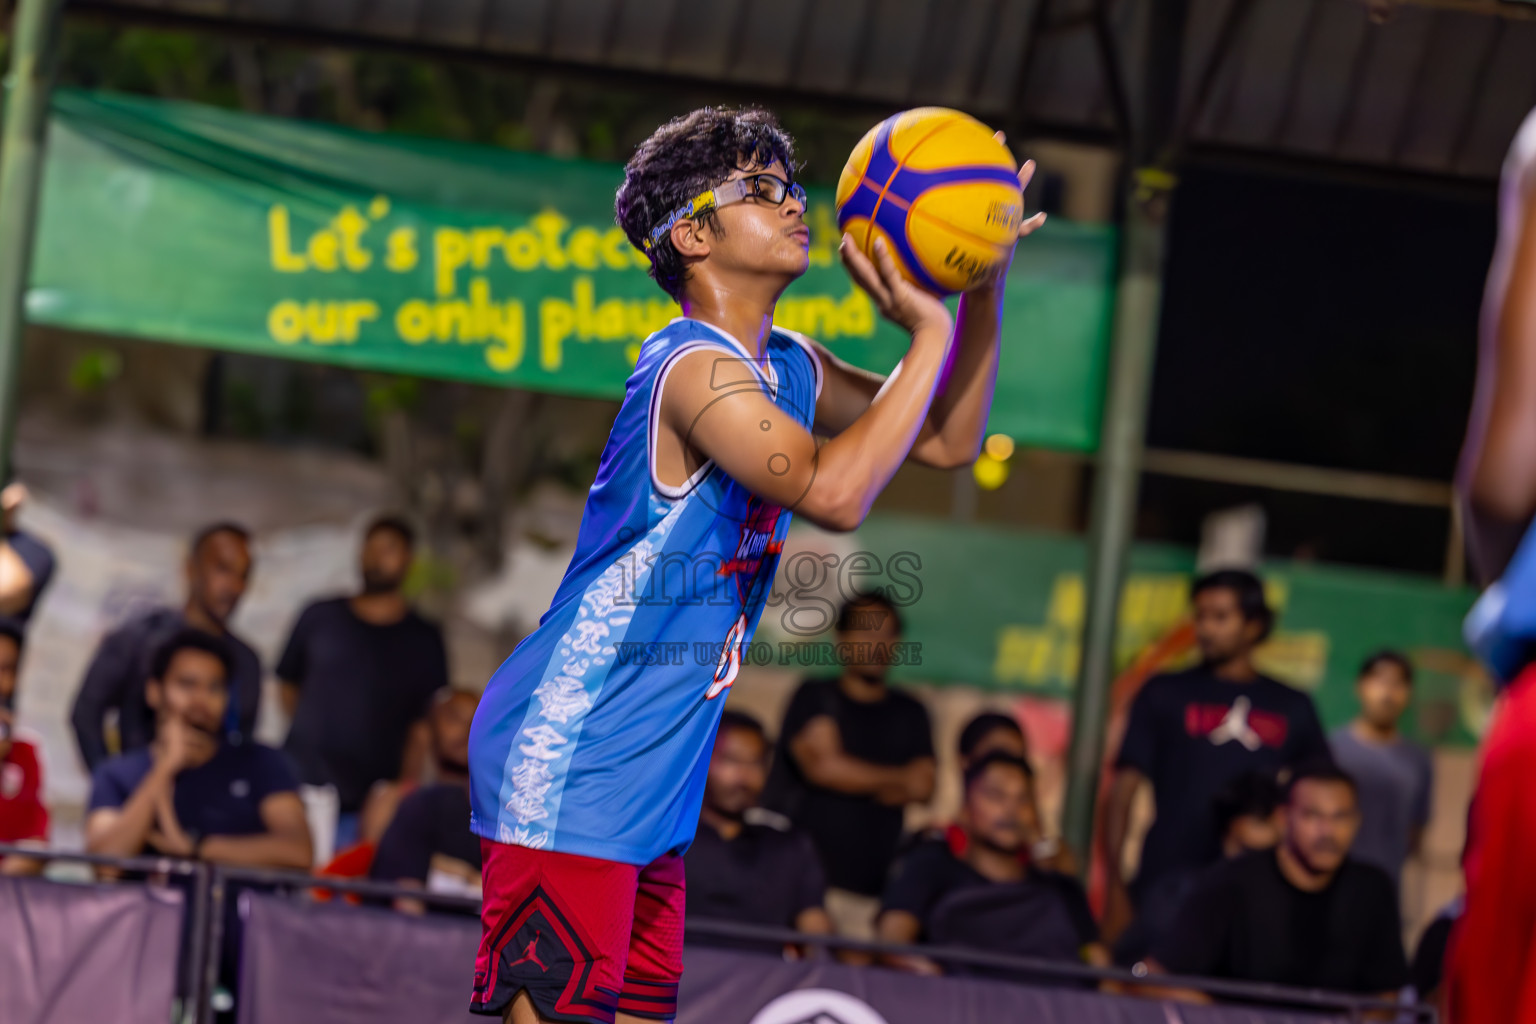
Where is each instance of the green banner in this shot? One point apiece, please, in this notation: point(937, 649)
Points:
point(191, 224)
point(1004, 609)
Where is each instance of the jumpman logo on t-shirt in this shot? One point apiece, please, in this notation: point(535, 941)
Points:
point(1234, 726)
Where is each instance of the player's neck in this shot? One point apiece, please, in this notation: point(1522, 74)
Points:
point(1372, 733)
point(745, 312)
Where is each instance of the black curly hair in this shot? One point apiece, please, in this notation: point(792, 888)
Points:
point(684, 157)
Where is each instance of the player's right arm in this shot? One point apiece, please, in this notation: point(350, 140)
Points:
point(714, 404)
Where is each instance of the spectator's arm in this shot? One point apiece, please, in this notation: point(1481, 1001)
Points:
point(818, 750)
point(814, 921)
point(291, 666)
point(1168, 992)
point(17, 866)
point(900, 926)
point(1117, 829)
point(105, 686)
point(1422, 802)
point(16, 581)
point(288, 695)
point(121, 830)
point(284, 844)
point(418, 747)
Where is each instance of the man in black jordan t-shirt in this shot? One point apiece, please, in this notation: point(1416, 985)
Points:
point(1191, 733)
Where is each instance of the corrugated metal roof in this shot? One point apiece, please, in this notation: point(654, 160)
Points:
point(1440, 87)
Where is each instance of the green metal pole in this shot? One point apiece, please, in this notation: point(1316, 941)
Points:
point(34, 37)
point(1112, 519)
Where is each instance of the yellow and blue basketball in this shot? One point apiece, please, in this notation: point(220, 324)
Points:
point(941, 191)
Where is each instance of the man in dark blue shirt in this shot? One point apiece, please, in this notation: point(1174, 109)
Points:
point(218, 568)
point(190, 793)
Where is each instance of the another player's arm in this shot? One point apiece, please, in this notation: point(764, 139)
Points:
point(952, 434)
point(818, 752)
point(716, 406)
point(1503, 483)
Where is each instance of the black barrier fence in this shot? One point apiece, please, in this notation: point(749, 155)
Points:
point(368, 963)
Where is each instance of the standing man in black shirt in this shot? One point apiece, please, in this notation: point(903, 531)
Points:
point(852, 754)
point(357, 678)
point(746, 864)
point(1191, 733)
point(1303, 914)
point(975, 886)
point(218, 569)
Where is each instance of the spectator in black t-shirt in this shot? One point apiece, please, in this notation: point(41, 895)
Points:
point(428, 844)
point(358, 675)
point(218, 568)
point(1248, 817)
point(993, 732)
point(852, 754)
point(26, 563)
point(1191, 733)
point(190, 793)
point(746, 864)
point(1304, 914)
point(975, 887)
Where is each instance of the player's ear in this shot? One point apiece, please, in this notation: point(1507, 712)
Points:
point(690, 239)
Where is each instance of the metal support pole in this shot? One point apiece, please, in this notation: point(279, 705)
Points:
point(34, 39)
point(1137, 306)
point(1112, 519)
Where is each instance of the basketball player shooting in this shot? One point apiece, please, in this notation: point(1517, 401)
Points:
point(590, 748)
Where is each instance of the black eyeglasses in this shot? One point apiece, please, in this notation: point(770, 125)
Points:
point(770, 188)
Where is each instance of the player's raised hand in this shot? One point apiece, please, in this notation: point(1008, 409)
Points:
point(1026, 174)
point(899, 300)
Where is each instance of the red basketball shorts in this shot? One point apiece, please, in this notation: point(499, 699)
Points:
point(586, 938)
point(1491, 963)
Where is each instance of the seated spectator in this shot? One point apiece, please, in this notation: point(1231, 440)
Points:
point(992, 732)
point(746, 864)
point(26, 563)
point(191, 793)
point(1247, 818)
point(217, 569)
point(1304, 914)
point(1394, 774)
point(429, 845)
point(358, 676)
point(23, 818)
point(852, 754)
point(976, 888)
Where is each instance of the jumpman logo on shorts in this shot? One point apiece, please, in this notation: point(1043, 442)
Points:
point(531, 955)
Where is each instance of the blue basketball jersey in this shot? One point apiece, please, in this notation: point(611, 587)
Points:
point(594, 737)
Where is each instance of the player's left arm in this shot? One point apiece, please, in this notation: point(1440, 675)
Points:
point(957, 420)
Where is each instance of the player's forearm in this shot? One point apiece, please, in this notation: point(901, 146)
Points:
point(959, 413)
point(854, 467)
point(270, 850)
